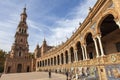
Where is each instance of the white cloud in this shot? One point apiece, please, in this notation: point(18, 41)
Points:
point(55, 34)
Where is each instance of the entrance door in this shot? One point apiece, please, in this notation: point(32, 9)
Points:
point(19, 68)
point(9, 68)
point(28, 69)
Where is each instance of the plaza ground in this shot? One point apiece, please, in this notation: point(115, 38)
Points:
point(32, 76)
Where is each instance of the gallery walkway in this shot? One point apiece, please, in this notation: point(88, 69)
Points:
point(32, 76)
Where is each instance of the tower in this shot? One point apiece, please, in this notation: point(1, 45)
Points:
point(19, 60)
point(20, 46)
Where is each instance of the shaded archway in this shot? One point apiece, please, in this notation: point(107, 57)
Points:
point(91, 51)
point(79, 51)
point(48, 62)
point(51, 61)
point(62, 59)
point(110, 34)
point(66, 56)
point(72, 54)
point(45, 62)
point(9, 69)
point(28, 69)
point(40, 63)
point(58, 59)
point(54, 60)
point(19, 68)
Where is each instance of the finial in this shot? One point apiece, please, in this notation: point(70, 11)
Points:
point(24, 9)
point(90, 9)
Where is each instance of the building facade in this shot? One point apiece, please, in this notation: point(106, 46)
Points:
point(19, 60)
point(93, 50)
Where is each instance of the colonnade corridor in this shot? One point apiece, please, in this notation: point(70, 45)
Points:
point(96, 56)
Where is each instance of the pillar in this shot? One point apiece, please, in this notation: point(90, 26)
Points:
point(75, 54)
point(101, 47)
point(96, 47)
point(53, 61)
point(56, 61)
point(60, 59)
point(85, 50)
point(69, 57)
point(64, 59)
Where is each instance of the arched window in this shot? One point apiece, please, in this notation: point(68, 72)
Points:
point(19, 54)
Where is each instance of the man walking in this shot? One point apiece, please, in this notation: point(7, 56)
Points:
point(50, 74)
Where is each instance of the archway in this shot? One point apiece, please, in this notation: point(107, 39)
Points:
point(66, 56)
point(9, 69)
point(110, 34)
point(91, 52)
point(79, 51)
point(58, 59)
point(51, 61)
point(28, 69)
point(54, 60)
point(48, 62)
point(72, 54)
point(62, 59)
point(19, 68)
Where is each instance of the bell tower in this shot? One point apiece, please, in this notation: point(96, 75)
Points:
point(20, 47)
point(19, 60)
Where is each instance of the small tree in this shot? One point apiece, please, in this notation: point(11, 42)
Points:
point(2, 60)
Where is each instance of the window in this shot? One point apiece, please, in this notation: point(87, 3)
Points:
point(118, 46)
point(19, 53)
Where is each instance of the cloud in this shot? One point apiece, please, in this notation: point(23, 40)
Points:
point(41, 21)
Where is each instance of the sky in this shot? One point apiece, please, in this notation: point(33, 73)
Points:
point(54, 20)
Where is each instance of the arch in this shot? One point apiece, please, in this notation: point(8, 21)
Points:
point(72, 54)
point(28, 68)
point(58, 59)
point(48, 62)
point(19, 68)
point(54, 60)
point(109, 31)
point(62, 58)
point(104, 15)
point(79, 51)
point(9, 69)
point(91, 51)
point(66, 55)
point(86, 34)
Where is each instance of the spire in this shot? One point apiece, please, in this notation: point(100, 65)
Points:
point(24, 15)
point(44, 41)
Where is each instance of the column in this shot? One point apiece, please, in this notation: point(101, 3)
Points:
point(76, 56)
point(53, 61)
point(69, 57)
point(56, 61)
point(83, 52)
point(64, 59)
point(50, 61)
point(101, 47)
point(96, 47)
point(60, 59)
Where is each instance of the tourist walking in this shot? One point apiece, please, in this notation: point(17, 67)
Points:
point(50, 74)
point(67, 75)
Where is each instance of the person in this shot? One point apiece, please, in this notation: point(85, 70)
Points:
point(49, 74)
point(67, 75)
point(0, 75)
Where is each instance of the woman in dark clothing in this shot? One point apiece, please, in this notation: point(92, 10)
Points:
point(49, 74)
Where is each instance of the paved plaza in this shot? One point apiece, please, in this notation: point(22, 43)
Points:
point(32, 76)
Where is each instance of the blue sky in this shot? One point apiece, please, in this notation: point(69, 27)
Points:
point(53, 19)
